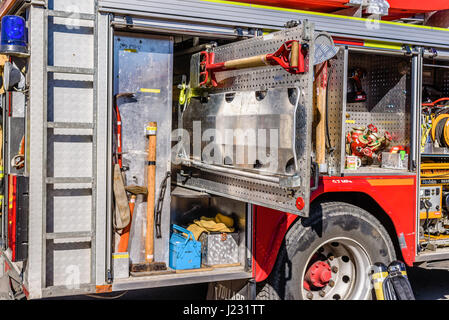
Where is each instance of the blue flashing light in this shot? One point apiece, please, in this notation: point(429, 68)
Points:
point(13, 31)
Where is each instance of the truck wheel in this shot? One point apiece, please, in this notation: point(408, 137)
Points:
point(329, 256)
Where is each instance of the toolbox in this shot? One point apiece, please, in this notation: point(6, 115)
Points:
point(185, 252)
point(219, 248)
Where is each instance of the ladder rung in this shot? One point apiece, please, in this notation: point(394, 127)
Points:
point(71, 70)
point(70, 125)
point(69, 180)
point(69, 235)
point(71, 15)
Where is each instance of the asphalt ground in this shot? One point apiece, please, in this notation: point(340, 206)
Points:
point(427, 284)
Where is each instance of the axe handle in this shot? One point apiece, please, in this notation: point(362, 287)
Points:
point(151, 176)
point(321, 106)
point(251, 62)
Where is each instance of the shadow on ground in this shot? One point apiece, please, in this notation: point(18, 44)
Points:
point(429, 284)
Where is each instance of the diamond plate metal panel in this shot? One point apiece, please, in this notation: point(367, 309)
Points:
point(284, 97)
point(335, 109)
point(263, 77)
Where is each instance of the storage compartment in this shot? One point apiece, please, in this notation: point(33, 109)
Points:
point(433, 215)
point(435, 98)
point(377, 115)
point(185, 221)
point(220, 224)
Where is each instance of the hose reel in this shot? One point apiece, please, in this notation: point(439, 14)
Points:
point(440, 129)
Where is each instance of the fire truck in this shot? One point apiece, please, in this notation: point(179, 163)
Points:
point(270, 151)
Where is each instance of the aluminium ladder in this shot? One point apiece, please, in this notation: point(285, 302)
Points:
point(69, 151)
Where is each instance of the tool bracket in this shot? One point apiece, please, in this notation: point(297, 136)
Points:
point(284, 57)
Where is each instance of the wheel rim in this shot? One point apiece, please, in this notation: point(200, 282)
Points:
point(349, 279)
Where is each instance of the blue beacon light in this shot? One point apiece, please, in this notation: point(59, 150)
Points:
point(13, 36)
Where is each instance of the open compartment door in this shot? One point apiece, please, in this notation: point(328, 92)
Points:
point(246, 128)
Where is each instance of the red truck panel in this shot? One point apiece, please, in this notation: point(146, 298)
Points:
point(396, 195)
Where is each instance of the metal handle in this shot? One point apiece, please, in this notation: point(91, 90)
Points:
point(176, 227)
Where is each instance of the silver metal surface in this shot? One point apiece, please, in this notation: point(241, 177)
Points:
point(68, 146)
point(335, 96)
point(218, 248)
point(36, 254)
point(198, 12)
point(239, 124)
point(110, 106)
point(246, 107)
point(101, 142)
point(155, 281)
point(143, 65)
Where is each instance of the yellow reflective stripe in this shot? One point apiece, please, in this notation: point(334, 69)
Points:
point(150, 90)
point(383, 45)
point(322, 14)
point(120, 256)
point(379, 275)
point(391, 182)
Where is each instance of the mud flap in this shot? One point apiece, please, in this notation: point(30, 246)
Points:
point(232, 290)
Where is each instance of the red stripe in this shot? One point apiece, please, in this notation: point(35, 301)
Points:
point(349, 42)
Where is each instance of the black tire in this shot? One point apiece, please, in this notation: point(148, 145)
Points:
point(328, 222)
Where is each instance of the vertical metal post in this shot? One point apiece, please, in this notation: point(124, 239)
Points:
point(5, 177)
point(37, 102)
point(44, 148)
point(415, 112)
point(109, 152)
point(417, 65)
point(343, 110)
point(249, 237)
point(93, 243)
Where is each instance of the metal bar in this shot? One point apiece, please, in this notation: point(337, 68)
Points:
point(435, 66)
point(109, 153)
point(59, 291)
point(93, 247)
point(52, 180)
point(376, 51)
point(101, 127)
point(180, 31)
point(44, 146)
point(264, 17)
point(71, 70)
point(415, 108)
point(181, 279)
point(249, 236)
point(71, 15)
point(214, 168)
point(70, 125)
point(68, 235)
point(343, 111)
point(418, 144)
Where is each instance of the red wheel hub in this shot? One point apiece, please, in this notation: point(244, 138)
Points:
point(318, 275)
